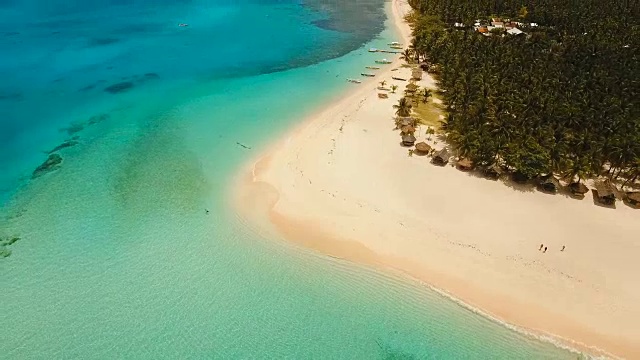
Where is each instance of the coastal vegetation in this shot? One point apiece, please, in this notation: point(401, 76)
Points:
point(559, 98)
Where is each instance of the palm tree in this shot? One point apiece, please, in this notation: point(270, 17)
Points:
point(403, 108)
point(426, 95)
point(430, 131)
point(383, 83)
point(406, 55)
point(394, 88)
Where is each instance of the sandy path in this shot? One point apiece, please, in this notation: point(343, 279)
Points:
point(343, 185)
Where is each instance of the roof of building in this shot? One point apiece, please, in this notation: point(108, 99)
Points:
point(604, 189)
point(515, 31)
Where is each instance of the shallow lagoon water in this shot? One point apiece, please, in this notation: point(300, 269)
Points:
point(117, 257)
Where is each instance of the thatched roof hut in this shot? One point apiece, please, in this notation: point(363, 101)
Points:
point(423, 148)
point(549, 184)
point(407, 121)
point(604, 192)
point(464, 164)
point(408, 129)
point(442, 157)
point(412, 87)
point(578, 189)
point(416, 73)
point(408, 140)
point(633, 198)
point(493, 171)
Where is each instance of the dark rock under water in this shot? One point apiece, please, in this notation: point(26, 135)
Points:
point(52, 163)
point(98, 119)
point(119, 87)
point(64, 145)
point(102, 41)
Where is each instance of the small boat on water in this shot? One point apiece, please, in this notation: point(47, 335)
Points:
point(365, 74)
point(372, 67)
point(394, 43)
point(183, 25)
point(373, 50)
point(398, 78)
point(383, 61)
point(396, 47)
point(354, 81)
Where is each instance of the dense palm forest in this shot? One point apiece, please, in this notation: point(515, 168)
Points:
point(562, 98)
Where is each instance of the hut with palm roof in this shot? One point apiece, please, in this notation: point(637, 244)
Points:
point(603, 193)
point(549, 184)
point(632, 198)
point(578, 190)
point(416, 73)
point(405, 121)
point(464, 164)
point(422, 148)
point(441, 158)
point(408, 129)
point(492, 171)
point(408, 139)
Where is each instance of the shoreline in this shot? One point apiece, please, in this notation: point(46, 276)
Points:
point(288, 191)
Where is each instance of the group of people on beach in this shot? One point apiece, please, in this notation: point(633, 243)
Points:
point(545, 248)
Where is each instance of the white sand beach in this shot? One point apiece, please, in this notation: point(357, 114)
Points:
point(341, 184)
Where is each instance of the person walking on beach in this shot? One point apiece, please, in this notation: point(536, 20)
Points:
point(541, 245)
point(562, 248)
point(545, 249)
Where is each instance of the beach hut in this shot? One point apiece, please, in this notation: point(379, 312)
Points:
point(604, 193)
point(422, 148)
point(408, 140)
point(548, 184)
point(442, 157)
point(407, 121)
point(578, 189)
point(412, 87)
point(493, 171)
point(383, 96)
point(464, 164)
point(408, 129)
point(416, 74)
point(632, 198)
point(519, 178)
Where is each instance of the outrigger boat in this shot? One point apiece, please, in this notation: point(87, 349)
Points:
point(396, 47)
point(398, 78)
point(354, 81)
point(394, 43)
point(372, 67)
point(383, 61)
point(373, 50)
point(369, 75)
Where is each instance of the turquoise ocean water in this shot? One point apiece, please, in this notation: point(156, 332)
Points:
point(117, 257)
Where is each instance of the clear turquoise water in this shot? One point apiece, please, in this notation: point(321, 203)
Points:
point(118, 258)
